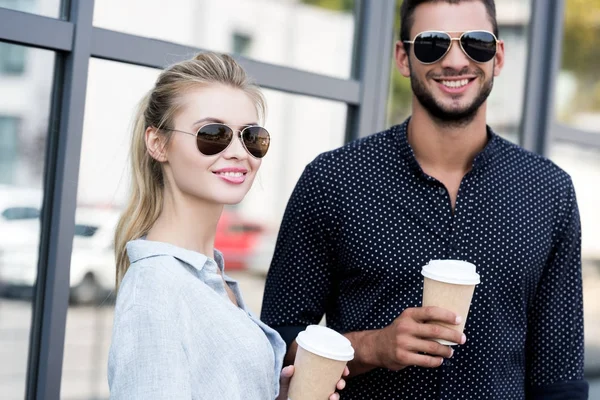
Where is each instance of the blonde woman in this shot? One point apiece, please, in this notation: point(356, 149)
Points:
point(181, 329)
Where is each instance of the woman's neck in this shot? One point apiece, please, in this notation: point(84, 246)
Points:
point(187, 222)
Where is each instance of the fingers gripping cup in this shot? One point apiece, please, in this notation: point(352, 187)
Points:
point(320, 360)
point(449, 284)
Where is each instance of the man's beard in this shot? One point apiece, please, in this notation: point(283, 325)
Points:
point(451, 116)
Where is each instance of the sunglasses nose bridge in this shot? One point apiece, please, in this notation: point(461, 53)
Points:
point(456, 57)
point(235, 148)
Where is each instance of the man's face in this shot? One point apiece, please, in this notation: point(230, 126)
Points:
point(454, 88)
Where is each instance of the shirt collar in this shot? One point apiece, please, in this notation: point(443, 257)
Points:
point(141, 249)
point(408, 154)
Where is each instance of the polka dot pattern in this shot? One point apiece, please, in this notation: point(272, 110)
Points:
point(363, 220)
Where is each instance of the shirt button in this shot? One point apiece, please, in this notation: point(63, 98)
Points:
point(442, 190)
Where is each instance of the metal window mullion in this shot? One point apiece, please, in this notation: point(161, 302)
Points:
point(544, 52)
point(154, 53)
point(372, 66)
point(568, 134)
point(58, 218)
point(35, 31)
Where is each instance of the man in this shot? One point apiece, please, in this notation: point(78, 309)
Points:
point(365, 218)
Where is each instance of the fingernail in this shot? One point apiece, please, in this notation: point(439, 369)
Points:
point(463, 339)
point(458, 320)
point(451, 354)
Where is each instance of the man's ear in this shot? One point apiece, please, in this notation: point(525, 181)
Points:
point(499, 59)
point(156, 144)
point(402, 61)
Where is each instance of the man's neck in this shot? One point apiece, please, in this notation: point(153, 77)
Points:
point(440, 146)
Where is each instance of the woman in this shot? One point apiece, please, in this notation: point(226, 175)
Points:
point(181, 328)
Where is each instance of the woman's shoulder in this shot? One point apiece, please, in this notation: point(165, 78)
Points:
point(153, 283)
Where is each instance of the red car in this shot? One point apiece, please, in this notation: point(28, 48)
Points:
point(237, 238)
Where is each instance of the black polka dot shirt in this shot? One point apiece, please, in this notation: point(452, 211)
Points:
point(363, 220)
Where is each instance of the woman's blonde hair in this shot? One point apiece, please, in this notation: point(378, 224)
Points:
point(158, 109)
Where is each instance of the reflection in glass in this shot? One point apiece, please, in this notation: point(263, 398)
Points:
point(312, 35)
point(47, 8)
point(24, 108)
point(12, 59)
point(583, 165)
point(578, 86)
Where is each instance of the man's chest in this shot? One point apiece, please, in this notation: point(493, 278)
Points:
point(401, 230)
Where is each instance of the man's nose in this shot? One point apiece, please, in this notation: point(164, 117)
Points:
point(455, 59)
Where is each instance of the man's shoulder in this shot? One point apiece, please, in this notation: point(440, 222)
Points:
point(514, 159)
point(377, 145)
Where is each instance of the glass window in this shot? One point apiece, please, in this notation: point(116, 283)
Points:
point(583, 164)
point(21, 213)
point(47, 8)
point(301, 128)
point(241, 43)
point(313, 35)
point(505, 103)
point(9, 146)
point(12, 59)
point(103, 178)
point(578, 86)
point(21, 177)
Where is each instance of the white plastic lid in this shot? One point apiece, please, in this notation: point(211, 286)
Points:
point(451, 271)
point(325, 342)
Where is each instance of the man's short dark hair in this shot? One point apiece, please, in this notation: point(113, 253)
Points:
point(407, 11)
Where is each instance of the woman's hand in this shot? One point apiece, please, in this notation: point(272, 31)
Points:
point(286, 377)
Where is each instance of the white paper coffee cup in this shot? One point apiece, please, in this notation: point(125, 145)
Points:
point(450, 284)
point(320, 360)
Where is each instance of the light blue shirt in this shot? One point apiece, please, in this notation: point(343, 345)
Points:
point(177, 335)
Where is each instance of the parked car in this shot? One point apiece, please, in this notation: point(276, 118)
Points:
point(244, 243)
point(238, 239)
point(92, 272)
point(19, 216)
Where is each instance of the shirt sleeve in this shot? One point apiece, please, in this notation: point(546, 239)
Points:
point(555, 329)
point(299, 280)
point(147, 360)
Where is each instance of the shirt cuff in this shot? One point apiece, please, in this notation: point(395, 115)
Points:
point(288, 333)
point(570, 390)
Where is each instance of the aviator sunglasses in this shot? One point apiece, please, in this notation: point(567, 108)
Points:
point(213, 138)
point(432, 46)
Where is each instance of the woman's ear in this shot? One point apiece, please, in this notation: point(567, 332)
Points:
point(156, 144)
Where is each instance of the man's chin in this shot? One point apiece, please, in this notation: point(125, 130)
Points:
point(462, 114)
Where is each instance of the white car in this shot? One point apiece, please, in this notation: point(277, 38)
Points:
point(92, 274)
point(19, 216)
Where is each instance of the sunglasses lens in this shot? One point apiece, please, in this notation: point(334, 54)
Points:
point(431, 46)
point(479, 45)
point(213, 138)
point(257, 140)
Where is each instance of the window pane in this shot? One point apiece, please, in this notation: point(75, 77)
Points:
point(578, 86)
point(102, 188)
point(314, 35)
point(12, 59)
point(24, 108)
point(301, 128)
point(583, 164)
point(47, 8)
point(9, 142)
point(505, 103)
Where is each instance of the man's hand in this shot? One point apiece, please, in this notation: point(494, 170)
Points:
point(406, 341)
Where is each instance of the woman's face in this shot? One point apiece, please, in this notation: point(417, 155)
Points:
point(224, 178)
